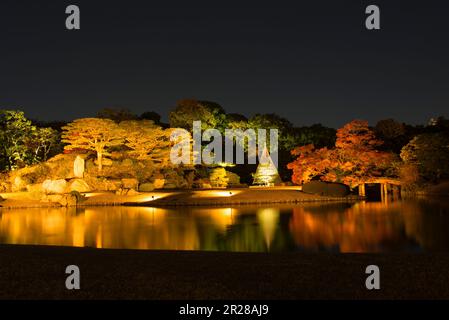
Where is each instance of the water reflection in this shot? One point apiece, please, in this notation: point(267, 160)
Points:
point(360, 227)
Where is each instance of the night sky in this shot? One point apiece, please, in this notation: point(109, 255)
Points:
point(308, 61)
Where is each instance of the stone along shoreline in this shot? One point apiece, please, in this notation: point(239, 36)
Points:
point(210, 197)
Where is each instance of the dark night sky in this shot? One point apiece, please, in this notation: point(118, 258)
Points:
point(308, 61)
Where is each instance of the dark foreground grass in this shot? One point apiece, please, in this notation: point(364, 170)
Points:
point(34, 272)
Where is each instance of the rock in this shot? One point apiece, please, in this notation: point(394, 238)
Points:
point(78, 167)
point(326, 189)
point(35, 188)
point(146, 187)
point(79, 185)
point(55, 198)
point(64, 200)
point(102, 184)
point(54, 186)
point(61, 166)
point(126, 192)
point(18, 184)
point(130, 183)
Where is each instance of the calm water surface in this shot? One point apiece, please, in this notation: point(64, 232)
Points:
point(407, 225)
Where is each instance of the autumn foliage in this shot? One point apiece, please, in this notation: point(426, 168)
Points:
point(353, 160)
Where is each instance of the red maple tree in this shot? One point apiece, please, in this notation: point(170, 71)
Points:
point(353, 160)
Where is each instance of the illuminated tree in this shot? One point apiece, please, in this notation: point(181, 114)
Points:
point(23, 143)
point(146, 140)
point(43, 141)
point(357, 135)
point(353, 160)
point(15, 130)
point(93, 134)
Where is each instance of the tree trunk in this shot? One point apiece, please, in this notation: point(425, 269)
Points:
point(100, 161)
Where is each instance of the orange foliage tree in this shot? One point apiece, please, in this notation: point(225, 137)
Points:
point(353, 160)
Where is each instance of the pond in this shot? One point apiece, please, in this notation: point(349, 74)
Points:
point(400, 226)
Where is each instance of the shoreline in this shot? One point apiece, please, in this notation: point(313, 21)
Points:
point(37, 272)
point(176, 198)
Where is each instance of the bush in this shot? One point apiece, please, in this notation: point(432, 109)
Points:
point(37, 174)
point(79, 197)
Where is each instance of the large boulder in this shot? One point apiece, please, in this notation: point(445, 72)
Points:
point(79, 185)
point(327, 189)
point(61, 166)
point(78, 167)
point(64, 200)
point(54, 186)
point(126, 192)
point(102, 184)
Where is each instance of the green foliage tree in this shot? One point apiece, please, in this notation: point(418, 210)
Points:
point(44, 142)
point(93, 134)
point(15, 131)
point(273, 121)
point(22, 142)
point(430, 153)
point(187, 111)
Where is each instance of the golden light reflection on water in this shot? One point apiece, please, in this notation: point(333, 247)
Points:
point(360, 227)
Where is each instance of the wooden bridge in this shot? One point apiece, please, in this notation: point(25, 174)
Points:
point(387, 186)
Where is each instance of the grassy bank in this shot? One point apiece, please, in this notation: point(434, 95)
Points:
point(29, 272)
